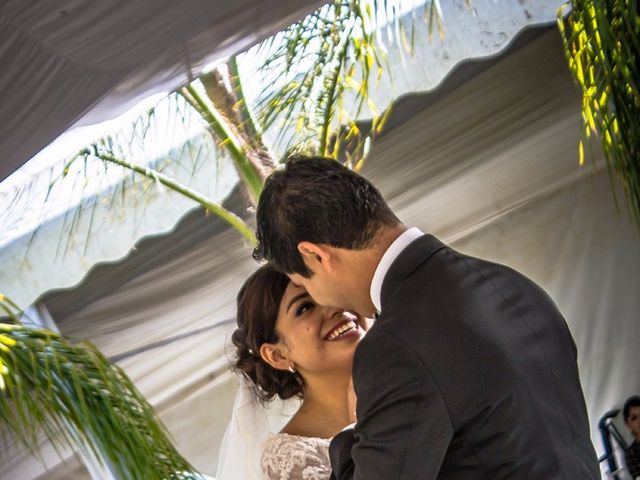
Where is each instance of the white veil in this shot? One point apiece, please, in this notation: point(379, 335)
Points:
point(251, 423)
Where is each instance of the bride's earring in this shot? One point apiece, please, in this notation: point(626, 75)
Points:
point(291, 369)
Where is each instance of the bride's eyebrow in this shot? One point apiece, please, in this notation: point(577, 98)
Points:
point(296, 298)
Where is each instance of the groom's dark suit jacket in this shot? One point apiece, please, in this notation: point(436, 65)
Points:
point(469, 373)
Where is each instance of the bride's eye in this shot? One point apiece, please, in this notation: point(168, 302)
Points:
point(304, 307)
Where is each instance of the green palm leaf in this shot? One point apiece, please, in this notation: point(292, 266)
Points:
point(128, 147)
point(99, 152)
point(320, 71)
point(602, 44)
point(74, 396)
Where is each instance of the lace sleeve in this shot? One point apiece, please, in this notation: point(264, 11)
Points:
point(289, 457)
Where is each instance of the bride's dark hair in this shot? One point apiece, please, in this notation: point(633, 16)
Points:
point(258, 304)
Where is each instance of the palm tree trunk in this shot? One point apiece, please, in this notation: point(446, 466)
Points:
point(225, 93)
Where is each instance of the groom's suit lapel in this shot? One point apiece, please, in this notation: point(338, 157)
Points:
point(418, 252)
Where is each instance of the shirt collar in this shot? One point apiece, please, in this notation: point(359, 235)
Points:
point(395, 249)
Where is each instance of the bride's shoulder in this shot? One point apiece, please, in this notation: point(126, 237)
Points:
point(286, 440)
point(296, 454)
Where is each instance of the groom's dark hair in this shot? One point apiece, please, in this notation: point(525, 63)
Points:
point(318, 200)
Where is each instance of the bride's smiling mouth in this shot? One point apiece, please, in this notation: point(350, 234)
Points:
point(345, 329)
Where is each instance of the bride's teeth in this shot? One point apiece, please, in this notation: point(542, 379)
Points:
point(342, 329)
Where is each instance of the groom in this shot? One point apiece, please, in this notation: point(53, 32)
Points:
point(469, 371)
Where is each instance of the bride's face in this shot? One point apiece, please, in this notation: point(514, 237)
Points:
point(316, 339)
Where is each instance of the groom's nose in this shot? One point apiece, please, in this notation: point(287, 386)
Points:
point(331, 312)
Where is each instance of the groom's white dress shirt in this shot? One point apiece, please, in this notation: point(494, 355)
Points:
point(395, 249)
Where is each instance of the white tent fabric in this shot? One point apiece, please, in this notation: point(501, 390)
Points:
point(75, 62)
point(490, 166)
point(479, 29)
point(88, 230)
point(62, 231)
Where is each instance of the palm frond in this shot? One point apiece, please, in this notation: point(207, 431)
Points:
point(602, 44)
point(319, 73)
point(247, 120)
point(107, 178)
point(210, 205)
point(73, 395)
point(226, 127)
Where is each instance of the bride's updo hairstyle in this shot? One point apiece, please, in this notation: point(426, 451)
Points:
point(258, 305)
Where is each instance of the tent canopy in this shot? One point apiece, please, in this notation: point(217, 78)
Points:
point(489, 164)
point(74, 62)
point(75, 228)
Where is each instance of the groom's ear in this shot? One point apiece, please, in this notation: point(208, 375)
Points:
point(315, 256)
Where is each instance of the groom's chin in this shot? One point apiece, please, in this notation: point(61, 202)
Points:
point(366, 323)
point(369, 313)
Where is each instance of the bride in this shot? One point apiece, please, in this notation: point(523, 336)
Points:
point(288, 346)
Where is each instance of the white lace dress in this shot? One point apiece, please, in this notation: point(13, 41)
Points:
point(291, 457)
